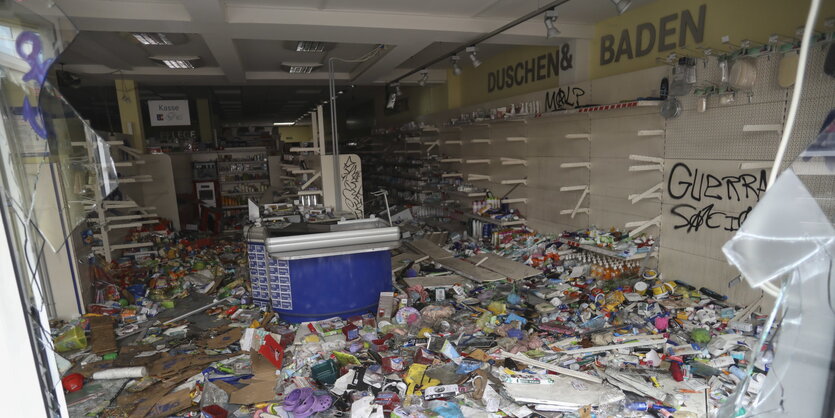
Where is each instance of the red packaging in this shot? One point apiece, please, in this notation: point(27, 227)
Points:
point(423, 356)
point(351, 332)
point(675, 370)
point(389, 401)
point(393, 364)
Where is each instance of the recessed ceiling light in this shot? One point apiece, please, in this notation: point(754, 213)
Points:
point(185, 62)
point(284, 123)
point(152, 38)
point(310, 46)
point(300, 67)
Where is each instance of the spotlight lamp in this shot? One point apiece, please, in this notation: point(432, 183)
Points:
point(551, 23)
point(472, 51)
point(622, 5)
point(424, 77)
point(456, 69)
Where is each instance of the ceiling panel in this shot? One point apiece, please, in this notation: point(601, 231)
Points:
point(267, 55)
point(120, 50)
point(438, 49)
point(429, 7)
point(576, 11)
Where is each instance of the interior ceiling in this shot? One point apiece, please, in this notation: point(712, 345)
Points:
point(245, 42)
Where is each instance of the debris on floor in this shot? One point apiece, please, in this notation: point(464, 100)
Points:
point(518, 325)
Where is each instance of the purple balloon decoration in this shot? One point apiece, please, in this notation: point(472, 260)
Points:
point(33, 115)
point(37, 68)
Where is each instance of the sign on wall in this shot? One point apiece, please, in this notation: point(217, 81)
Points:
point(669, 33)
point(169, 112)
point(534, 68)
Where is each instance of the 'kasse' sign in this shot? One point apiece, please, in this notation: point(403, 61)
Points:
point(169, 112)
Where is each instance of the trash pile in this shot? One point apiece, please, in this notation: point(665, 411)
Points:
point(581, 329)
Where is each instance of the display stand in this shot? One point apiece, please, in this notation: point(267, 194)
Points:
point(113, 215)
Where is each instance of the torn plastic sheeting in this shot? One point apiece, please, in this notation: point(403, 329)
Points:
point(660, 341)
point(773, 240)
point(628, 383)
point(565, 392)
point(557, 369)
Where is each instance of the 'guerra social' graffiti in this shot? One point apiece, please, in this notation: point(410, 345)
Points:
point(707, 188)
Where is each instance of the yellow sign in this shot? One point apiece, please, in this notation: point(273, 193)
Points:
point(634, 40)
point(510, 73)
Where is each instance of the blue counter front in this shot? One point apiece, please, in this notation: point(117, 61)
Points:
point(315, 288)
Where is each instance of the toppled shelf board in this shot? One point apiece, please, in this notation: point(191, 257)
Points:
point(469, 270)
point(505, 266)
point(400, 261)
point(449, 262)
point(564, 392)
point(556, 369)
point(424, 246)
point(448, 280)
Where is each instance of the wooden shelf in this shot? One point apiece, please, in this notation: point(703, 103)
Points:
point(496, 221)
point(467, 194)
point(222, 182)
point(603, 251)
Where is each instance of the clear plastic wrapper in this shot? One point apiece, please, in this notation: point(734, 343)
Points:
point(789, 238)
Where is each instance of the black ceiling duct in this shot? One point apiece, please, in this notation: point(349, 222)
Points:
point(67, 79)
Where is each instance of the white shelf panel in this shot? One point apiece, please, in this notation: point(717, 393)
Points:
point(576, 165)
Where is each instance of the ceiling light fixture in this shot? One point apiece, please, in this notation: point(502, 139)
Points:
point(392, 100)
point(622, 5)
point(472, 51)
point(424, 77)
point(397, 90)
point(310, 46)
point(301, 67)
point(149, 38)
point(551, 23)
point(456, 69)
point(179, 63)
point(284, 123)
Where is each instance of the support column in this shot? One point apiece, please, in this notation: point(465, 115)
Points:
point(204, 119)
point(130, 112)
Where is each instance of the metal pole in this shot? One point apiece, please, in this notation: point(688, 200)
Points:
point(337, 175)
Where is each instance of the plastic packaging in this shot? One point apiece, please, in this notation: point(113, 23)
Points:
point(121, 373)
point(72, 339)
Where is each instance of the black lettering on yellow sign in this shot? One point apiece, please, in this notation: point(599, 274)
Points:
point(534, 69)
point(647, 36)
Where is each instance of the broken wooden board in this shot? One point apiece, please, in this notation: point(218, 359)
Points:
point(438, 238)
point(429, 248)
point(505, 266)
point(102, 335)
point(436, 281)
point(400, 261)
point(470, 271)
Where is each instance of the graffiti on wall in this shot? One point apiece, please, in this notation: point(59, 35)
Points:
point(706, 190)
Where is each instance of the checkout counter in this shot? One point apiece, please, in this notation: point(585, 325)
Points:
point(308, 272)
